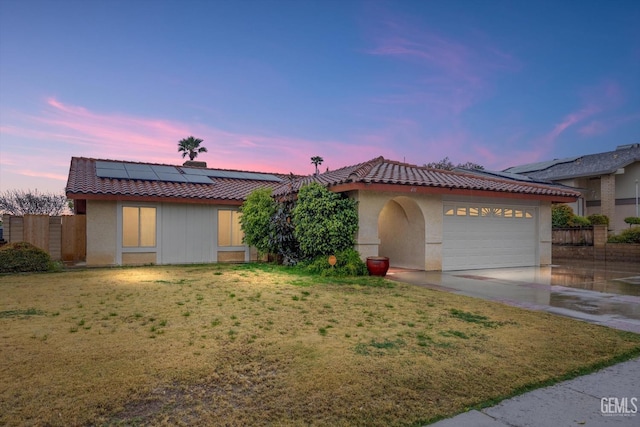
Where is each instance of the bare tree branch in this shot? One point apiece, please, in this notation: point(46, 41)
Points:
point(21, 202)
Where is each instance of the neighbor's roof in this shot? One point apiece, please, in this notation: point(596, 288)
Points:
point(584, 166)
point(111, 179)
point(424, 180)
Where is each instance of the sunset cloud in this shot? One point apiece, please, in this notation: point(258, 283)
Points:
point(63, 130)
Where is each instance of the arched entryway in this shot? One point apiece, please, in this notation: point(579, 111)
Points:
point(401, 230)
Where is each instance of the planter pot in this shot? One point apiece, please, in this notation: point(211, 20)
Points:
point(378, 265)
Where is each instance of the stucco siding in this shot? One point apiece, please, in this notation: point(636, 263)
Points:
point(101, 233)
point(388, 228)
point(139, 258)
point(545, 232)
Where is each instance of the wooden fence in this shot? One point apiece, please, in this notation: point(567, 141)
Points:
point(574, 236)
point(63, 237)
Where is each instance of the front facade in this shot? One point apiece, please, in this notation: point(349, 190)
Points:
point(139, 213)
point(430, 219)
point(134, 233)
point(608, 182)
point(420, 218)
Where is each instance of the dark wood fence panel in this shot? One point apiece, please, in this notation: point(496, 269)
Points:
point(582, 236)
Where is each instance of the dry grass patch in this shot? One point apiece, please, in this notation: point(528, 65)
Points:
point(255, 345)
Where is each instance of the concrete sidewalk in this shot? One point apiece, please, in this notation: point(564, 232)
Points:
point(577, 402)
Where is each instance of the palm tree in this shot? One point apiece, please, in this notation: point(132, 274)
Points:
point(317, 160)
point(191, 146)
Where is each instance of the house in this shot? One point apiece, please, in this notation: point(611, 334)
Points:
point(142, 213)
point(608, 182)
point(420, 218)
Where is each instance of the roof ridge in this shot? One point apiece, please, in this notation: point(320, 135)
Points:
point(361, 170)
point(92, 159)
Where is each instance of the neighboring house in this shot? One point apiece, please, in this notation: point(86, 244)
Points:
point(608, 182)
point(420, 218)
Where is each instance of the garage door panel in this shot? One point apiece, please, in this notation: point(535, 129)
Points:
point(490, 241)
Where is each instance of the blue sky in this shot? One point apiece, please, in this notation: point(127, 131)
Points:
point(269, 84)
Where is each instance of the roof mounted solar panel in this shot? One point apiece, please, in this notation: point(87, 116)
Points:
point(111, 173)
point(143, 175)
point(137, 167)
point(158, 169)
point(196, 171)
point(171, 177)
point(198, 179)
point(109, 165)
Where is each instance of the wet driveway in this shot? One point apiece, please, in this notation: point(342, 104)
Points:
point(601, 293)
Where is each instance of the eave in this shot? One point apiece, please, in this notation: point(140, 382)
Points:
point(155, 199)
point(400, 188)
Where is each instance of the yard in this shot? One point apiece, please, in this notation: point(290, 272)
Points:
point(257, 344)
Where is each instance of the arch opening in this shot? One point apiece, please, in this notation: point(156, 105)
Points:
point(401, 230)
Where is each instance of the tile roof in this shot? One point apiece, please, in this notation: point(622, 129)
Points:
point(83, 182)
point(584, 166)
point(382, 171)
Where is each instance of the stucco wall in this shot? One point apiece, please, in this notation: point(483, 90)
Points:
point(393, 207)
point(139, 258)
point(101, 233)
point(546, 233)
point(401, 228)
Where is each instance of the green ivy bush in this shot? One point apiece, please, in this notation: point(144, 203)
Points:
point(630, 235)
point(325, 222)
point(579, 221)
point(255, 220)
point(348, 263)
point(21, 257)
point(597, 219)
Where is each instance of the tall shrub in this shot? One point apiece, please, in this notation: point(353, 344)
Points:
point(325, 222)
point(255, 221)
point(561, 215)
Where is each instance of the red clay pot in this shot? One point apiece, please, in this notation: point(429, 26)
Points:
point(378, 265)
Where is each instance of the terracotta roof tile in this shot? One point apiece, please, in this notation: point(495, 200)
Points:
point(83, 181)
point(382, 171)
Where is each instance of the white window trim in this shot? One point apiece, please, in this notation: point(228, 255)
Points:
point(217, 248)
point(120, 249)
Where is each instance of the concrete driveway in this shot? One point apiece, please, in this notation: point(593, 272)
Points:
point(602, 293)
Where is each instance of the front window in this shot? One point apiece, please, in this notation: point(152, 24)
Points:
point(138, 227)
point(229, 231)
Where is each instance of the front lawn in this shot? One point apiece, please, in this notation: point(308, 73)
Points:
point(257, 344)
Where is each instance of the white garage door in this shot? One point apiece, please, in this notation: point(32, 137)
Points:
point(488, 236)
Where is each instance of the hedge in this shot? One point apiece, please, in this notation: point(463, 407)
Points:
point(23, 257)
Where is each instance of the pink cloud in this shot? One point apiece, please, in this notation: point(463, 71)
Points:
point(48, 141)
point(599, 127)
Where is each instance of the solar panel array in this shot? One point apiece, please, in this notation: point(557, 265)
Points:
point(121, 170)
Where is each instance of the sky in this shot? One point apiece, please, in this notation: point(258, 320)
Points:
point(268, 84)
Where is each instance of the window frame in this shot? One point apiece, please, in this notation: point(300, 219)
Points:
point(234, 214)
point(139, 228)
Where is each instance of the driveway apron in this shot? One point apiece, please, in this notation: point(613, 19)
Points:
point(601, 293)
